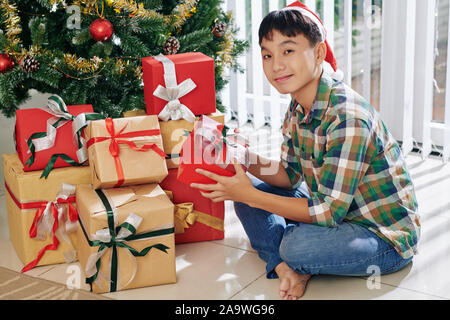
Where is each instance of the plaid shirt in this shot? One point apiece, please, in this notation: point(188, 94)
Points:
point(352, 166)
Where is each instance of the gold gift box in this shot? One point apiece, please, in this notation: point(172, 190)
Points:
point(173, 133)
point(150, 203)
point(28, 187)
point(138, 167)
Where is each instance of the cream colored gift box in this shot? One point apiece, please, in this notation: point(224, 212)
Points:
point(155, 210)
point(28, 187)
point(139, 167)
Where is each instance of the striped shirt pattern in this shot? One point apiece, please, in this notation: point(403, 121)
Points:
point(352, 166)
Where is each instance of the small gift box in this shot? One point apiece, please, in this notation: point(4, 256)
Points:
point(208, 148)
point(126, 237)
point(179, 86)
point(125, 151)
point(196, 218)
point(41, 215)
point(52, 137)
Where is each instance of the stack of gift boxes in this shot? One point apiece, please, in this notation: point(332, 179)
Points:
point(114, 193)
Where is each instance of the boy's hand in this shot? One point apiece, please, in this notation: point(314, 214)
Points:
point(236, 188)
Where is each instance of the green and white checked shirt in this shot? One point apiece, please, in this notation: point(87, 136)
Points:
point(352, 166)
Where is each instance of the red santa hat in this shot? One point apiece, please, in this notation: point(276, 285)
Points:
point(305, 11)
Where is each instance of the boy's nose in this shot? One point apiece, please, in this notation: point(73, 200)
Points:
point(278, 64)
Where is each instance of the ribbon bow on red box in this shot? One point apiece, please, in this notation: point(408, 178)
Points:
point(208, 148)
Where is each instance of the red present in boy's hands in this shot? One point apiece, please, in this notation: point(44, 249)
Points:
point(208, 148)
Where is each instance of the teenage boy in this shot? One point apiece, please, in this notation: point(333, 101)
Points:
point(341, 200)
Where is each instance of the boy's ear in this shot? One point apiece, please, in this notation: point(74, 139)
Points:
point(320, 52)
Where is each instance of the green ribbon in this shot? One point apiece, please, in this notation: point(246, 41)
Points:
point(48, 168)
point(113, 243)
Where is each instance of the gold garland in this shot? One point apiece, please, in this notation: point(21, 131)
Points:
point(12, 21)
point(135, 10)
point(81, 64)
point(224, 56)
point(183, 11)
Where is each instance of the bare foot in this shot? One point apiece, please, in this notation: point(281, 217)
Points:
point(293, 284)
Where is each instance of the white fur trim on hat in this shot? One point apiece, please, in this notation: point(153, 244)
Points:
point(316, 21)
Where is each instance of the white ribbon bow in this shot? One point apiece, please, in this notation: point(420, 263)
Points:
point(45, 224)
point(174, 109)
point(57, 108)
point(104, 236)
point(208, 137)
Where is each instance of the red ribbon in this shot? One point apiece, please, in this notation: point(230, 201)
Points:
point(114, 148)
point(40, 206)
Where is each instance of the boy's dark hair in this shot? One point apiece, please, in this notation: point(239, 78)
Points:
point(289, 23)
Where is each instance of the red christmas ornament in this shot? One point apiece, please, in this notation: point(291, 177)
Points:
point(6, 62)
point(101, 30)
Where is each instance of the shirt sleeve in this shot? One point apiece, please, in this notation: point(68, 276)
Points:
point(288, 159)
point(348, 156)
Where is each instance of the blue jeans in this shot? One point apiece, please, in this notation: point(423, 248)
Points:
point(348, 249)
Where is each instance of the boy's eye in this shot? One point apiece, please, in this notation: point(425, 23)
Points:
point(288, 51)
point(266, 56)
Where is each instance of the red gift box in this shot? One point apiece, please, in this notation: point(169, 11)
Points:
point(207, 151)
point(193, 65)
point(184, 194)
point(30, 121)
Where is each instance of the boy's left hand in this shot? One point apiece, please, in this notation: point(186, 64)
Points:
point(235, 188)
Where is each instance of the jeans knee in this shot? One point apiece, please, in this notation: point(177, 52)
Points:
point(286, 250)
point(240, 207)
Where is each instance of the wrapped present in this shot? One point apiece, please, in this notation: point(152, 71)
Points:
point(52, 137)
point(179, 86)
point(196, 217)
point(125, 151)
point(126, 237)
point(40, 213)
point(174, 133)
point(207, 147)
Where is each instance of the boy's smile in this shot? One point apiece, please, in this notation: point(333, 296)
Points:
point(291, 65)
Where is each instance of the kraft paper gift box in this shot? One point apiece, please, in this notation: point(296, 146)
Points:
point(174, 133)
point(125, 151)
point(26, 193)
point(51, 137)
point(179, 85)
point(196, 218)
point(207, 148)
point(130, 232)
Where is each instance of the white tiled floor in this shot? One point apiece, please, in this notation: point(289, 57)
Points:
point(231, 269)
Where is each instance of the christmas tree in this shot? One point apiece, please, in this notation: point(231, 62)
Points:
point(89, 51)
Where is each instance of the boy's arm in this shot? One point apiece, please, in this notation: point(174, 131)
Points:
point(240, 188)
point(295, 209)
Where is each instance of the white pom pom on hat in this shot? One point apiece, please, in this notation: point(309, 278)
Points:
point(329, 58)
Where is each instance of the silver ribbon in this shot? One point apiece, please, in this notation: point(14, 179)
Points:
point(59, 110)
point(174, 109)
point(45, 224)
point(208, 136)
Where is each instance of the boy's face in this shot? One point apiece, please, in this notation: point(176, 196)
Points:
point(289, 63)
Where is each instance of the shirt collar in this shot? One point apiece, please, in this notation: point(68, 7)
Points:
point(321, 101)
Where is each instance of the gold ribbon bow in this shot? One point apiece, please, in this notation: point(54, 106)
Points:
point(186, 216)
